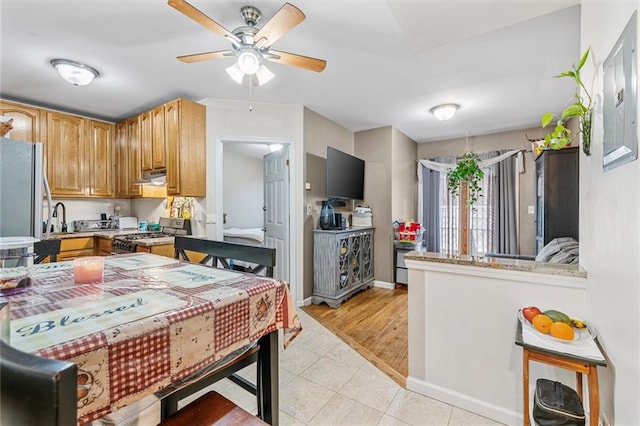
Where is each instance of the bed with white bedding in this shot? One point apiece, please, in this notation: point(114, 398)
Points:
point(249, 236)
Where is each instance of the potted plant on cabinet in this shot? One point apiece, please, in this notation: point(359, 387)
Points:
point(581, 108)
point(468, 170)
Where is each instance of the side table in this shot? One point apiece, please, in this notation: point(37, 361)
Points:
point(581, 365)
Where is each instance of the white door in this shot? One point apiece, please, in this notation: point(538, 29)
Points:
point(276, 208)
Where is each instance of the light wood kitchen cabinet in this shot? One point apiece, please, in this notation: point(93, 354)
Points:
point(99, 172)
point(105, 246)
point(158, 142)
point(70, 248)
point(135, 169)
point(26, 121)
point(65, 136)
point(122, 161)
point(146, 147)
point(185, 124)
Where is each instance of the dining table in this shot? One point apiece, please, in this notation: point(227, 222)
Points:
point(152, 324)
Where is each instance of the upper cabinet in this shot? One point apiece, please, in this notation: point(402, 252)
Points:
point(26, 121)
point(158, 140)
point(65, 136)
point(185, 138)
point(135, 166)
point(90, 158)
point(146, 143)
point(122, 161)
point(80, 156)
point(101, 158)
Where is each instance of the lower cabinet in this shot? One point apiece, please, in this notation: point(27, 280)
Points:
point(342, 264)
point(105, 246)
point(70, 248)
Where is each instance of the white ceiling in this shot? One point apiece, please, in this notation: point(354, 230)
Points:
point(388, 62)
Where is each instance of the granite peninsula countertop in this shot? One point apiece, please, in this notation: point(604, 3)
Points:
point(499, 263)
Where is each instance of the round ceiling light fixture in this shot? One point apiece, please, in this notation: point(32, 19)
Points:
point(73, 72)
point(444, 112)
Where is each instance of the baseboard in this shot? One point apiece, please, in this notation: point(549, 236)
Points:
point(383, 284)
point(466, 402)
point(304, 302)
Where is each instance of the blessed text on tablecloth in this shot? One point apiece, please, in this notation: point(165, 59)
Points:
point(40, 331)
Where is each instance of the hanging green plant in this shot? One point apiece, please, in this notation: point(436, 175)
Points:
point(468, 170)
point(581, 108)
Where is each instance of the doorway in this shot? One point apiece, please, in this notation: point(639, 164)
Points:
point(276, 210)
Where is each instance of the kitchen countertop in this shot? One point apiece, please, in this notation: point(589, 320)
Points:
point(102, 233)
point(499, 263)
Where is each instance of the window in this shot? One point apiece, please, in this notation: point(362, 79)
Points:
point(491, 225)
point(478, 235)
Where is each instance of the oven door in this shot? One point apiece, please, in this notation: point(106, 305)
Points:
point(121, 246)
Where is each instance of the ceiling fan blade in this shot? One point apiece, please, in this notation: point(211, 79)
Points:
point(300, 61)
point(206, 56)
point(287, 17)
point(190, 11)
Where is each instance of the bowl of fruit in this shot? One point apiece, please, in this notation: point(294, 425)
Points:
point(555, 325)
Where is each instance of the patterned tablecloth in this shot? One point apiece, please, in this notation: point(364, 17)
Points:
point(152, 322)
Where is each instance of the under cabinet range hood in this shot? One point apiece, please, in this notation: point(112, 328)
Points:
point(152, 177)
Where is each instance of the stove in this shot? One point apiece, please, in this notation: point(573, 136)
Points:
point(170, 228)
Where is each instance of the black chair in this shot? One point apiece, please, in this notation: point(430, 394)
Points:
point(46, 248)
point(223, 252)
point(218, 251)
point(36, 390)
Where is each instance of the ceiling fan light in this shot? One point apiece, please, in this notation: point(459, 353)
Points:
point(75, 73)
point(264, 75)
point(445, 112)
point(235, 73)
point(248, 61)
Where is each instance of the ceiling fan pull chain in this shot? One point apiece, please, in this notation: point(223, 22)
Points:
point(250, 95)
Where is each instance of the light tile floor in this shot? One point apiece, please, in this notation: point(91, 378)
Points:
point(323, 381)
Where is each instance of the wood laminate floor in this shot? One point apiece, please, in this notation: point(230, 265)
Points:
point(374, 323)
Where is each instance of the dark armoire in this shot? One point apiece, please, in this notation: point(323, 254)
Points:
point(557, 195)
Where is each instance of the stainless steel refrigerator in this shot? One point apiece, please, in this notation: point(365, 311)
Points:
point(21, 188)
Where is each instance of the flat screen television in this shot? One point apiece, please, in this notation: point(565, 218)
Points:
point(345, 175)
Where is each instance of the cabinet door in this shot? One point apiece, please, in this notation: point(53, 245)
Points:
point(367, 255)
point(355, 254)
point(26, 121)
point(122, 161)
point(342, 243)
point(157, 138)
point(66, 154)
point(172, 135)
point(135, 165)
point(146, 147)
point(100, 172)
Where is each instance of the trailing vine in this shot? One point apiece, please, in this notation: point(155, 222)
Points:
point(468, 170)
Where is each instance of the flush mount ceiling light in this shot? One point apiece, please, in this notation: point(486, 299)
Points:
point(445, 112)
point(76, 73)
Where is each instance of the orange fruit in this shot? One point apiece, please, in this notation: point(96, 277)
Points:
point(542, 323)
point(560, 330)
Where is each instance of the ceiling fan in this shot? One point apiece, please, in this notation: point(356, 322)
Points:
point(250, 44)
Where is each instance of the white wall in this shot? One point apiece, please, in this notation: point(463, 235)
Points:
point(610, 231)
point(232, 120)
point(243, 191)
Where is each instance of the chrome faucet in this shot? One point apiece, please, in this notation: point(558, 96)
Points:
point(63, 225)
